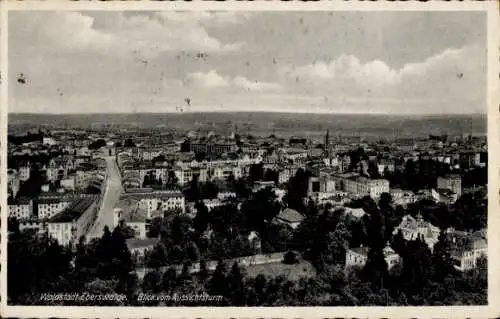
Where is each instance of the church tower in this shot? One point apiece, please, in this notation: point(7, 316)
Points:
point(327, 144)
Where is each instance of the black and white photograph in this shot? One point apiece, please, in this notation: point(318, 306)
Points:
point(247, 158)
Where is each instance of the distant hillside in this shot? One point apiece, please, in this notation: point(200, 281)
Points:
point(270, 123)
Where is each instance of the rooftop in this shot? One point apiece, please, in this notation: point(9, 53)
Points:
point(360, 250)
point(140, 243)
point(290, 215)
point(76, 209)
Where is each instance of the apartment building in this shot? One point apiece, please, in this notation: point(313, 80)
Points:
point(74, 221)
point(362, 186)
point(21, 208)
point(49, 207)
point(451, 182)
point(150, 200)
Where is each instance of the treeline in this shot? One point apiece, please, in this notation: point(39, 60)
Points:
point(29, 137)
point(222, 232)
point(39, 265)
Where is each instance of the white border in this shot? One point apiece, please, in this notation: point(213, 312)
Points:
point(490, 311)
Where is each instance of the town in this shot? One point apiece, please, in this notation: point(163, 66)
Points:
point(177, 208)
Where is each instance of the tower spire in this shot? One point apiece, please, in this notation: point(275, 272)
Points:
point(327, 143)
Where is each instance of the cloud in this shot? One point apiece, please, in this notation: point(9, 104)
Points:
point(63, 31)
point(206, 18)
point(348, 67)
point(246, 84)
point(443, 78)
point(117, 33)
point(212, 79)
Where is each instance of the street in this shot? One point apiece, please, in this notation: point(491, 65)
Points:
point(110, 198)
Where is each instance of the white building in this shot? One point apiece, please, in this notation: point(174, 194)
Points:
point(158, 200)
point(24, 172)
point(73, 222)
point(22, 209)
point(402, 197)
point(134, 217)
point(412, 228)
point(451, 182)
point(48, 141)
point(362, 186)
point(68, 183)
point(212, 203)
point(48, 207)
point(357, 257)
point(467, 248)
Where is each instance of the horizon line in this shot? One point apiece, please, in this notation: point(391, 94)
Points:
point(249, 111)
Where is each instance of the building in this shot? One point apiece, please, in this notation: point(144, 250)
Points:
point(289, 217)
point(451, 182)
point(467, 248)
point(261, 185)
point(132, 215)
point(385, 165)
point(225, 195)
point(38, 226)
point(357, 257)
point(139, 247)
point(150, 200)
point(49, 207)
point(444, 196)
point(285, 174)
point(362, 186)
point(74, 221)
point(25, 172)
point(356, 213)
point(402, 197)
point(212, 203)
point(412, 228)
point(48, 141)
point(21, 209)
point(68, 183)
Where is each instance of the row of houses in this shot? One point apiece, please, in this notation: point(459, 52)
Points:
point(466, 247)
point(43, 208)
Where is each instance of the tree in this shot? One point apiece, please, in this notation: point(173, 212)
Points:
point(209, 190)
point(297, 190)
point(172, 180)
point(355, 157)
point(129, 143)
point(256, 172)
point(241, 189)
point(202, 218)
point(218, 285)
point(186, 146)
point(399, 243)
point(193, 192)
point(416, 273)
point(97, 144)
point(169, 280)
point(39, 263)
point(236, 286)
point(375, 269)
point(154, 227)
point(271, 175)
point(203, 274)
point(152, 282)
point(158, 256)
point(290, 258)
point(373, 169)
point(441, 258)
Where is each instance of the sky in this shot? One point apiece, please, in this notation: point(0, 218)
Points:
point(322, 62)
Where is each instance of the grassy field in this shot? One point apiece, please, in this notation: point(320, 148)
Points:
point(291, 272)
